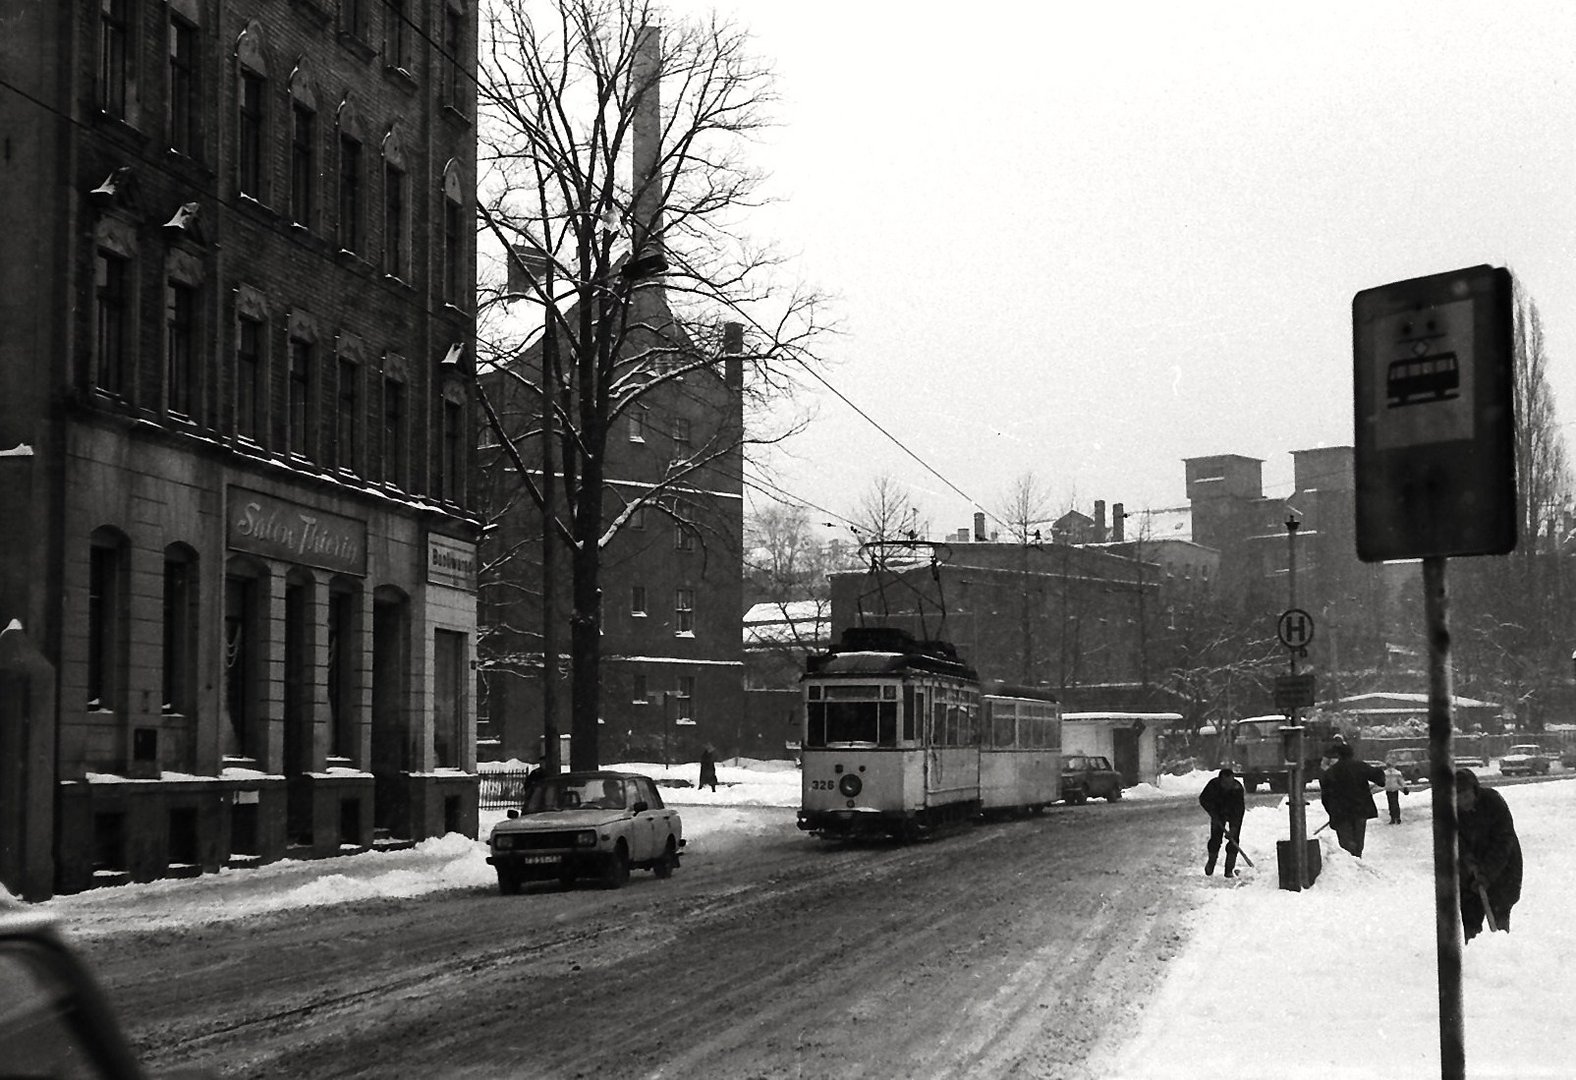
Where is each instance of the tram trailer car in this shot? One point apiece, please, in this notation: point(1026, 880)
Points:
point(894, 740)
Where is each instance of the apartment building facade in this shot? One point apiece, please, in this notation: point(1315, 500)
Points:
point(236, 379)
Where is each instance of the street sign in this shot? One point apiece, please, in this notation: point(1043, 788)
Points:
point(1294, 628)
point(1294, 691)
point(1431, 374)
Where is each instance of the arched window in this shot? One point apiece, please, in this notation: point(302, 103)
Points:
point(108, 608)
point(252, 121)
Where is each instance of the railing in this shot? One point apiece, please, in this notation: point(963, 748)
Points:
point(500, 789)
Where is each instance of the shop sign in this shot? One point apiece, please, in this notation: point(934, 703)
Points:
point(280, 529)
point(451, 562)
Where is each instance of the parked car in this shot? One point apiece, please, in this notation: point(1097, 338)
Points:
point(1089, 776)
point(1524, 760)
point(586, 825)
point(56, 1020)
point(1568, 757)
point(1412, 761)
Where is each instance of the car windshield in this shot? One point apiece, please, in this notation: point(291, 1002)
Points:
point(574, 792)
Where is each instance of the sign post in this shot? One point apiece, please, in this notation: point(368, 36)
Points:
point(1435, 428)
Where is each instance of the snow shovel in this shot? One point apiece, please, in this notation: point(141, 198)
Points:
point(1232, 845)
point(1488, 912)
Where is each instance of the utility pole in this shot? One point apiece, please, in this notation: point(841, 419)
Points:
point(551, 754)
point(1294, 743)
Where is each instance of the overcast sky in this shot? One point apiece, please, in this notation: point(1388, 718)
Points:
point(1093, 240)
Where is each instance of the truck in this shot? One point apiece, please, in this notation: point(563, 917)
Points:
point(1259, 757)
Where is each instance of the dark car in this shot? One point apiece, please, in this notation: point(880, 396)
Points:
point(55, 1020)
point(1412, 761)
point(586, 825)
point(1089, 776)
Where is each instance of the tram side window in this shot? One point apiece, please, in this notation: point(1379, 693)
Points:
point(1002, 718)
point(886, 723)
point(913, 706)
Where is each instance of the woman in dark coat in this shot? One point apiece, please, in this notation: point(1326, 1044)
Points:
point(1488, 854)
point(1223, 800)
point(1347, 798)
point(708, 769)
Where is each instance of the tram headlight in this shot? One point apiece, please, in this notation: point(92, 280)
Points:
point(850, 785)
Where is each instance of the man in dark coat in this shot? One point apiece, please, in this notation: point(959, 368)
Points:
point(1223, 800)
point(1347, 798)
point(1488, 855)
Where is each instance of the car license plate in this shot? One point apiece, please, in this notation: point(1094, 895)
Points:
point(540, 859)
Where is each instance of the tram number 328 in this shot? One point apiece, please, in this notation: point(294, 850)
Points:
point(823, 785)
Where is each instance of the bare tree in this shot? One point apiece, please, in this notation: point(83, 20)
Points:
point(887, 512)
point(1026, 508)
point(613, 190)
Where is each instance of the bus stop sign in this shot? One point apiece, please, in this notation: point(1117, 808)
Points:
point(1435, 424)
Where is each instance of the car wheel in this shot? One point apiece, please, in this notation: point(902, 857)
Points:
point(1115, 795)
point(616, 872)
point(668, 863)
point(508, 883)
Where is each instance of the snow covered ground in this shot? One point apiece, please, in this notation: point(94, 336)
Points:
point(1337, 981)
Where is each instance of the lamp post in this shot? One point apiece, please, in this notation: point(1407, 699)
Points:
point(1294, 734)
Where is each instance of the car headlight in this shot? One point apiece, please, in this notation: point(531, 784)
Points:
point(850, 785)
point(502, 843)
point(585, 838)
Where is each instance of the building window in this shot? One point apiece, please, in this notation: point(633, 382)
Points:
point(183, 107)
point(249, 139)
point(453, 464)
point(242, 657)
point(393, 220)
point(349, 194)
point(343, 644)
point(684, 611)
point(637, 517)
point(353, 17)
point(684, 707)
point(346, 416)
point(637, 600)
point(180, 630)
point(396, 33)
point(303, 163)
point(637, 425)
point(453, 74)
point(298, 415)
point(683, 528)
point(249, 378)
point(180, 317)
point(106, 619)
point(114, 76)
point(394, 432)
point(642, 688)
point(681, 436)
point(110, 291)
point(453, 252)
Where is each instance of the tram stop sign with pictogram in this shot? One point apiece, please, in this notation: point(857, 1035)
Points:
point(1294, 628)
point(1435, 420)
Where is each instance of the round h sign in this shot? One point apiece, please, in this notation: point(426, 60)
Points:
point(1294, 628)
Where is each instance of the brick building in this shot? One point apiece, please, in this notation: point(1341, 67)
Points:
point(235, 341)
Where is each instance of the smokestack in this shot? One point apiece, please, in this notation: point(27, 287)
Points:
point(646, 100)
point(1118, 523)
point(1099, 519)
point(979, 527)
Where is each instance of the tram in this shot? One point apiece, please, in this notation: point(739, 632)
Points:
point(899, 739)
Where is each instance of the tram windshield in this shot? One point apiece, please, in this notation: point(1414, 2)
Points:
point(855, 713)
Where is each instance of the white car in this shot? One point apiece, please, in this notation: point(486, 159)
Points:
point(586, 825)
point(1527, 759)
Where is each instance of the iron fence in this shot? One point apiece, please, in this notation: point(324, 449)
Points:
point(503, 788)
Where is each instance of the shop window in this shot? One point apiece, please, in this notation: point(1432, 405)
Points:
point(180, 629)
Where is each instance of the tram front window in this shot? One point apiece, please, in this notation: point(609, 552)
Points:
point(852, 722)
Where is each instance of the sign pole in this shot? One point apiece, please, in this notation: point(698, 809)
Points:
point(1442, 781)
point(1294, 786)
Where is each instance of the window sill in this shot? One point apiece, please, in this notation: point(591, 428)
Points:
point(354, 43)
point(456, 117)
point(684, 634)
point(398, 74)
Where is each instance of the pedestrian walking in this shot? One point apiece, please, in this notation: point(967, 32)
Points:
point(1225, 802)
point(1394, 788)
point(1347, 798)
point(1488, 856)
point(708, 768)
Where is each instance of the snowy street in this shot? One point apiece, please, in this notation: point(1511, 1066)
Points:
point(1082, 943)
